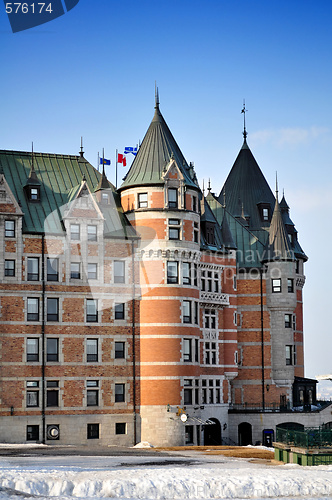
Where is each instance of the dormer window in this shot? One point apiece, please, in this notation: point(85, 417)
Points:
point(172, 198)
point(264, 211)
point(104, 198)
point(265, 214)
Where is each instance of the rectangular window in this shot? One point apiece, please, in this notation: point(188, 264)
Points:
point(120, 428)
point(34, 194)
point(32, 349)
point(119, 311)
point(276, 285)
point(32, 398)
point(32, 432)
point(186, 273)
point(196, 351)
point(9, 228)
point(172, 272)
point(75, 272)
point(196, 232)
point(142, 200)
point(32, 309)
point(187, 350)
point(75, 232)
point(91, 310)
point(194, 204)
point(210, 353)
point(104, 198)
point(265, 214)
point(52, 349)
point(186, 311)
point(174, 229)
point(290, 355)
point(92, 233)
point(52, 393)
point(288, 320)
point(189, 434)
point(119, 271)
point(9, 267)
point(93, 431)
point(52, 309)
point(290, 285)
point(92, 350)
point(172, 198)
point(92, 395)
point(210, 319)
point(119, 350)
point(195, 275)
point(33, 269)
point(92, 271)
point(188, 392)
point(120, 393)
point(196, 314)
point(216, 283)
point(52, 269)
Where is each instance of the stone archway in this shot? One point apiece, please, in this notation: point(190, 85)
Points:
point(212, 433)
point(244, 434)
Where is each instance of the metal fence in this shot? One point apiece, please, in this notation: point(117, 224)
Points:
point(310, 437)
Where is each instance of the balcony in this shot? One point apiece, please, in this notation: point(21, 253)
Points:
point(208, 299)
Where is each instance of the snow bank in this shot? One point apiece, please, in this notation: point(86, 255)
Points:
point(143, 444)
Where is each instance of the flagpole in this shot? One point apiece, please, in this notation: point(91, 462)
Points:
point(116, 169)
point(98, 162)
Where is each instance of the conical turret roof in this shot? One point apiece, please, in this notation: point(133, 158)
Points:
point(245, 188)
point(157, 149)
point(278, 246)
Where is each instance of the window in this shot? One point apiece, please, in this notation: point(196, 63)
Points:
point(196, 316)
point(32, 349)
point(33, 269)
point(104, 198)
point(196, 232)
point(211, 398)
point(52, 393)
point(290, 355)
point(196, 351)
point(194, 204)
point(210, 353)
point(195, 275)
point(290, 285)
point(187, 392)
point(34, 194)
point(210, 319)
point(93, 431)
point(120, 393)
point(288, 320)
point(186, 273)
point(91, 310)
point(204, 393)
point(187, 350)
point(52, 309)
point(92, 350)
point(119, 271)
point(186, 311)
point(189, 434)
point(75, 270)
point(142, 200)
point(32, 432)
point(234, 282)
point(52, 269)
point(92, 233)
point(9, 267)
point(52, 349)
point(75, 232)
point(174, 229)
point(92, 271)
point(119, 311)
point(32, 394)
point(92, 395)
point(32, 309)
point(172, 198)
point(217, 392)
point(265, 213)
point(276, 285)
point(9, 228)
point(172, 272)
point(120, 428)
point(119, 350)
point(209, 281)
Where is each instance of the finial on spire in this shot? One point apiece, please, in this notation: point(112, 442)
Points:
point(32, 158)
point(156, 95)
point(203, 188)
point(277, 186)
point(244, 119)
point(81, 152)
point(103, 162)
point(224, 198)
point(209, 185)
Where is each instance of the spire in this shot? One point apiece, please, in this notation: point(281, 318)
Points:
point(81, 151)
point(103, 182)
point(32, 179)
point(156, 90)
point(277, 192)
point(244, 119)
point(278, 246)
point(209, 185)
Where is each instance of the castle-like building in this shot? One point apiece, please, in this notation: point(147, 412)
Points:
point(150, 312)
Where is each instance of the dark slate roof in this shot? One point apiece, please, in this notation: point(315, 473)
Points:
point(60, 177)
point(245, 188)
point(278, 246)
point(155, 152)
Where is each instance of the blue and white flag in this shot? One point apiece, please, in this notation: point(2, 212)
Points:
point(104, 161)
point(130, 150)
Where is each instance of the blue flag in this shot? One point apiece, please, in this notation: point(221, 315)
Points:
point(104, 161)
point(130, 150)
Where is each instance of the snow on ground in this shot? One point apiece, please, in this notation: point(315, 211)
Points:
point(185, 475)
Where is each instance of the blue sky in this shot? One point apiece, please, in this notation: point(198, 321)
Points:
point(92, 72)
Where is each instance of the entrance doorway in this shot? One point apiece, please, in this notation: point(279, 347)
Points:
point(212, 433)
point(245, 434)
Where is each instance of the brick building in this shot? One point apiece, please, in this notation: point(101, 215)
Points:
point(151, 312)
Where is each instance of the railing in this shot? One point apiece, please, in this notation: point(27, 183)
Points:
point(276, 407)
point(311, 437)
point(215, 298)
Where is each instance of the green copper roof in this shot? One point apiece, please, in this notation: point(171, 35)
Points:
point(245, 188)
point(60, 178)
point(155, 152)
